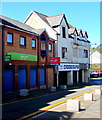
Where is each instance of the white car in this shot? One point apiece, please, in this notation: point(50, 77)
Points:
point(93, 74)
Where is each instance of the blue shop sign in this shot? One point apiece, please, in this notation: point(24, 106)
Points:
point(68, 67)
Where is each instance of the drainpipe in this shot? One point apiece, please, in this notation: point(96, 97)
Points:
point(57, 65)
point(2, 56)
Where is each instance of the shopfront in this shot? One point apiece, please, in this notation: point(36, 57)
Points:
point(68, 74)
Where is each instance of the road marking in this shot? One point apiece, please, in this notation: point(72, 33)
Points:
point(38, 115)
point(50, 106)
point(29, 115)
point(31, 98)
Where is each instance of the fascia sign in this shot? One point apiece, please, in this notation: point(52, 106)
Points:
point(68, 67)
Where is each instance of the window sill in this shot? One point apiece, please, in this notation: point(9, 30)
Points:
point(23, 46)
point(33, 48)
point(10, 44)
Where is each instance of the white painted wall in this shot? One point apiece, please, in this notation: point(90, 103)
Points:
point(64, 42)
point(95, 58)
point(36, 22)
point(78, 58)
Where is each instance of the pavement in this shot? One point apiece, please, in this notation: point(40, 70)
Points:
point(17, 107)
point(88, 110)
point(11, 97)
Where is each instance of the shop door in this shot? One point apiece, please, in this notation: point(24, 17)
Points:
point(42, 77)
point(33, 78)
point(21, 78)
point(8, 80)
point(74, 77)
point(62, 78)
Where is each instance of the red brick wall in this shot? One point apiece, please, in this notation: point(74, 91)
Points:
point(16, 42)
point(45, 60)
point(50, 77)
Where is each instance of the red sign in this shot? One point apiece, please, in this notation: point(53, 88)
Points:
point(54, 60)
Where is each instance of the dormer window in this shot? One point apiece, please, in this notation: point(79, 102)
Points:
point(63, 32)
point(75, 38)
point(80, 42)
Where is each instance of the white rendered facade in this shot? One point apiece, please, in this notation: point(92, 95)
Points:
point(65, 47)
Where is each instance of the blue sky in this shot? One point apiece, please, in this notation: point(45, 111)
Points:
point(82, 15)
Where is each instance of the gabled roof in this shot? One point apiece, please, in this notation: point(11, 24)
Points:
point(70, 26)
point(84, 32)
point(39, 31)
point(16, 24)
point(72, 30)
point(79, 31)
point(52, 21)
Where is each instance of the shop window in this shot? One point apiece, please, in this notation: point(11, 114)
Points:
point(9, 38)
point(22, 41)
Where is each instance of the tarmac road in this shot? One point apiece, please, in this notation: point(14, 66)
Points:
point(22, 108)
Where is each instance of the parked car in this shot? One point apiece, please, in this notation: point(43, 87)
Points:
point(99, 73)
point(93, 74)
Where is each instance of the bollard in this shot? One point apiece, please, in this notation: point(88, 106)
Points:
point(98, 92)
point(73, 105)
point(88, 96)
point(63, 87)
point(24, 92)
point(52, 89)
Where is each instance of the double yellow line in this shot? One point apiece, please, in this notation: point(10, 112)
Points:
point(51, 106)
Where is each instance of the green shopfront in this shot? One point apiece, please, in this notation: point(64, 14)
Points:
point(20, 72)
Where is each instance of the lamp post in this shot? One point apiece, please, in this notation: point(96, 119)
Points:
point(91, 52)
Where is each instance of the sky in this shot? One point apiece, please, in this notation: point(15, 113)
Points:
point(82, 15)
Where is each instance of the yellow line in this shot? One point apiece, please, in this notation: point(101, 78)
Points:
point(29, 98)
point(51, 106)
point(26, 116)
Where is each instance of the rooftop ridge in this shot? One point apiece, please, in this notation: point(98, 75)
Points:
point(55, 15)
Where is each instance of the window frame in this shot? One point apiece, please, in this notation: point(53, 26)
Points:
point(8, 38)
point(63, 32)
point(64, 50)
point(50, 46)
point(24, 41)
point(85, 53)
point(34, 44)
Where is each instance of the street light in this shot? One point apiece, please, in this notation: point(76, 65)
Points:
point(91, 52)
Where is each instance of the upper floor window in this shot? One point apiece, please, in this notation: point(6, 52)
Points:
point(64, 52)
point(43, 45)
point(75, 52)
point(50, 47)
point(80, 42)
point(22, 41)
point(85, 53)
point(63, 32)
point(80, 52)
point(9, 38)
point(33, 43)
point(75, 38)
